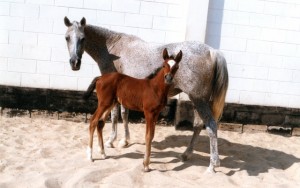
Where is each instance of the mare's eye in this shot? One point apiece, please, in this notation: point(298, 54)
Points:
point(82, 39)
point(67, 38)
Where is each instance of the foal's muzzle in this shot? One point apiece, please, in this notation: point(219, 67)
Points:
point(75, 64)
point(168, 78)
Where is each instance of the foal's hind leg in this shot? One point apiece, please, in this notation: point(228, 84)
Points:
point(102, 113)
point(198, 125)
point(114, 130)
point(124, 113)
point(92, 128)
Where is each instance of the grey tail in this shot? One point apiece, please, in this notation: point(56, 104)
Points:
point(90, 89)
point(220, 85)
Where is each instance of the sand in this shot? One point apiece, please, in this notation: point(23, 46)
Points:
point(43, 152)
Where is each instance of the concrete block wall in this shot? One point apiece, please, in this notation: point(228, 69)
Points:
point(33, 50)
point(261, 42)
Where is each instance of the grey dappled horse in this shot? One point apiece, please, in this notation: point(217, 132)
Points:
point(202, 75)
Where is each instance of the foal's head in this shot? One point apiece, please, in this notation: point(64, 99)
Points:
point(75, 40)
point(170, 65)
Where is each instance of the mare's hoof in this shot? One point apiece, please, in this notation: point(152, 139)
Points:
point(147, 169)
point(108, 144)
point(184, 157)
point(216, 162)
point(210, 170)
point(123, 143)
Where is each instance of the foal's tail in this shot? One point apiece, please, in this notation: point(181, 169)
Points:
point(90, 89)
point(220, 85)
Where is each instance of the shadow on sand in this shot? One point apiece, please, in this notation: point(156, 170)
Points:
point(238, 157)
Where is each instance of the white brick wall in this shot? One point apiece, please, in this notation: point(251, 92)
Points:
point(261, 41)
point(33, 50)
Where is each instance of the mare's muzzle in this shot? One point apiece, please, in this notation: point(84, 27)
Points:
point(168, 78)
point(75, 64)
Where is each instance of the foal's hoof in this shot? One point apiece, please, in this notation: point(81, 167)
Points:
point(102, 156)
point(89, 154)
point(123, 143)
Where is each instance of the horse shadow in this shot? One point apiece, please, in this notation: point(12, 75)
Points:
point(238, 157)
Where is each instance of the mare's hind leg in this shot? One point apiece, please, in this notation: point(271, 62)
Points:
point(124, 113)
point(211, 127)
point(198, 125)
point(114, 130)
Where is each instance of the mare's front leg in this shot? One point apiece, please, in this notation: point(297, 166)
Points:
point(150, 129)
point(125, 141)
point(198, 125)
point(114, 130)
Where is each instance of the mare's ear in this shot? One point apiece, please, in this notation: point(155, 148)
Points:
point(67, 21)
point(83, 21)
point(178, 57)
point(165, 54)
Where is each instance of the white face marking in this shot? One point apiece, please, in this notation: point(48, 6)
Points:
point(74, 44)
point(171, 63)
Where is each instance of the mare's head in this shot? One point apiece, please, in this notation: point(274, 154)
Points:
point(75, 39)
point(170, 65)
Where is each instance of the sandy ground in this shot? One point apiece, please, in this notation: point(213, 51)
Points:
point(42, 152)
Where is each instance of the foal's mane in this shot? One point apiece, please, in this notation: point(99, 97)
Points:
point(154, 73)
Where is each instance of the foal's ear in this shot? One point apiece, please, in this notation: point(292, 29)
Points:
point(83, 21)
point(165, 54)
point(67, 21)
point(178, 57)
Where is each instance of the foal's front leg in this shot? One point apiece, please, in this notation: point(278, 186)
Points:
point(150, 129)
point(100, 126)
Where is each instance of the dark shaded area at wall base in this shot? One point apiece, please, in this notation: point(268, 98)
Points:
point(287, 118)
point(45, 99)
point(53, 100)
point(60, 101)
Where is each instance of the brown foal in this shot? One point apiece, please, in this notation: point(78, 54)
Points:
point(148, 95)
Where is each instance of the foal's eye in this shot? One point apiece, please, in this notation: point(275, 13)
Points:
point(82, 39)
point(67, 38)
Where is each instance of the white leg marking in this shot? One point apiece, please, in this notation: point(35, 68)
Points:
point(89, 153)
point(102, 153)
